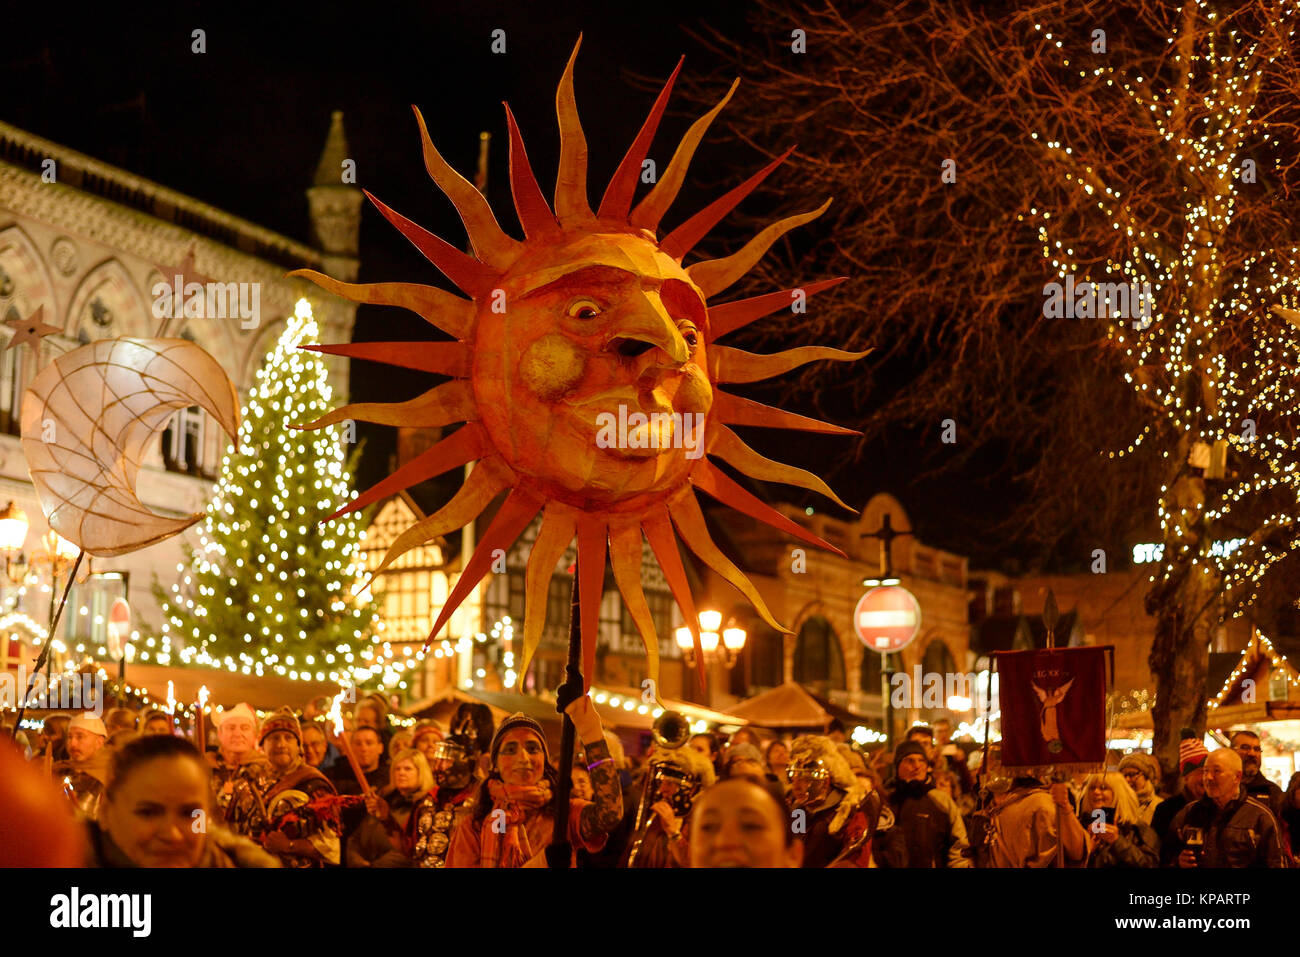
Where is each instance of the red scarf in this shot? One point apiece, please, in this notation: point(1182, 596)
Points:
point(511, 848)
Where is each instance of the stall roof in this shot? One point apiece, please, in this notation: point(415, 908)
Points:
point(225, 688)
point(786, 706)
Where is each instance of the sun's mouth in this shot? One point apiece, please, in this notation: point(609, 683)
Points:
point(628, 423)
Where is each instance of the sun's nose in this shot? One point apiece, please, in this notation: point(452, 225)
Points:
point(648, 326)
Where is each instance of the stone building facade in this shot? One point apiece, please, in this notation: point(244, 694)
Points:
point(85, 245)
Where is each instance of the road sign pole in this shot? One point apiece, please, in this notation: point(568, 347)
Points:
point(886, 698)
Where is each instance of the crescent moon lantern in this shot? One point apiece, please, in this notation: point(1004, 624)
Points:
point(87, 418)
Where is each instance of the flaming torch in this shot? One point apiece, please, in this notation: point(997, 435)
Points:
point(201, 732)
point(336, 719)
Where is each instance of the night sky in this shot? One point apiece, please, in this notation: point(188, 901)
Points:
point(242, 126)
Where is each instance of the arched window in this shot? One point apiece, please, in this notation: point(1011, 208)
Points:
point(818, 659)
point(938, 660)
point(765, 650)
point(872, 671)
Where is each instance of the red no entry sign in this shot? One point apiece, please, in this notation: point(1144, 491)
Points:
point(887, 618)
point(118, 627)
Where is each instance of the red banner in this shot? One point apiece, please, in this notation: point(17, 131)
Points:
point(1053, 707)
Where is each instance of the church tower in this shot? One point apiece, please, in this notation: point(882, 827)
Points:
point(334, 200)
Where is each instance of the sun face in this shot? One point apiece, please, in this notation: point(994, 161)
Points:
point(595, 384)
point(586, 369)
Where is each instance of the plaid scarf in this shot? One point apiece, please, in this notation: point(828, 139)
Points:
point(511, 848)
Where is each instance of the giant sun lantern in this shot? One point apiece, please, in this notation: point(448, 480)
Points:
point(586, 367)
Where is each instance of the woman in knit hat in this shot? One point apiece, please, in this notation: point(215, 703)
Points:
point(1142, 772)
point(513, 818)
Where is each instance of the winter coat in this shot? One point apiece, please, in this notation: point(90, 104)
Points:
point(223, 849)
point(931, 825)
point(1244, 833)
point(1136, 846)
point(1023, 831)
point(1164, 814)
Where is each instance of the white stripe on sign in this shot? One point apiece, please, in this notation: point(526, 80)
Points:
point(886, 619)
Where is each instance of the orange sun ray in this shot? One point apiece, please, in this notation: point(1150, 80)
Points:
point(730, 316)
point(727, 445)
point(709, 478)
point(689, 519)
point(571, 207)
point(489, 242)
point(683, 239)
point(715, 275)
point(465, 445)
point(442, 405)
point(518, 510)
point(469, 275)
point(618, 195)
point(487, 480)
point(651, 210)
point(659, 533)
point(736, 365)
point(591, 581)
point(625, 555)
point(535, 215)
point(558, 526)
point(440, 309)
point(737, 410)
point(440, 358)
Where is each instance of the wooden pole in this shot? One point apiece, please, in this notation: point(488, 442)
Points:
point(43, 660)
point(559, 854)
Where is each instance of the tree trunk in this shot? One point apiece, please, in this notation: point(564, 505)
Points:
point(1182, 599)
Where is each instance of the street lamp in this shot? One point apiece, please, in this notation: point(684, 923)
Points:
point(13, 533)
point(732, 640)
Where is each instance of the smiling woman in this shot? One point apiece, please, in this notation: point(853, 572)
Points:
point(157, 812)
point(513, 820)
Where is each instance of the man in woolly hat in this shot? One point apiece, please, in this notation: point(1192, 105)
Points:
point(830, 807)
point(928, 819)
point(1191, 767)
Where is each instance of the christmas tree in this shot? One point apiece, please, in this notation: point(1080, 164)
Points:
point(270, 589)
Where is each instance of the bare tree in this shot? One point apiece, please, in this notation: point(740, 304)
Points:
point(982, 153)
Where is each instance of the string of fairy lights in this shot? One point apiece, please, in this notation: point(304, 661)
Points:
point(291, 387)
point(1213, 395)
point(1279, 663)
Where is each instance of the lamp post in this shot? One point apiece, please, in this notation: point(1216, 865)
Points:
point(54, 550)
point(13, 533)
point(722, 645)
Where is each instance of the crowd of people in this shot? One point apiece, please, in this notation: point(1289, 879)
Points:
point(285, 791)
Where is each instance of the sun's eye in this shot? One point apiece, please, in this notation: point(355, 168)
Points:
point(691, 335)
point(584, 309)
